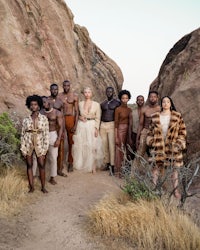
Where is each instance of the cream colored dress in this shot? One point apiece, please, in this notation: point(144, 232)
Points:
point(87, 149)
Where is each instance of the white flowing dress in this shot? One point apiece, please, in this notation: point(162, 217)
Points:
point(87, 149)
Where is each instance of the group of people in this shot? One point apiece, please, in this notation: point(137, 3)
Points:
point(98, 134)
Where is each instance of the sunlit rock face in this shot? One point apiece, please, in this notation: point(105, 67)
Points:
point(179, 77)
point(39, 45)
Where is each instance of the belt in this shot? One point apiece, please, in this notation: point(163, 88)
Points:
point(90, 119)
point(34, 131)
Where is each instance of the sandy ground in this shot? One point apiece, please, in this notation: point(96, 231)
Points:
point(58, 220)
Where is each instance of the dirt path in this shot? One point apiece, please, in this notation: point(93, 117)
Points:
point(58, 220)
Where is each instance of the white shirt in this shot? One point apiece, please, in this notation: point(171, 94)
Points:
point(164, 120)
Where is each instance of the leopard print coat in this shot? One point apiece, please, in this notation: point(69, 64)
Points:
point(168, 151)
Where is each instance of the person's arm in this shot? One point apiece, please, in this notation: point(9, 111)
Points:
point(97, 119)
point(116, 126)
point(140, 127)
point(181, 140)
point(130, 128)
point(76, 110)
point(59, 120)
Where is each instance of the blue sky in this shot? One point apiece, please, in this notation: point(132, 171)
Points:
point(136, 34)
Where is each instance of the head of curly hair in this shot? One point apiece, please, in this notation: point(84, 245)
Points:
point(34, 98)
point(124, 92)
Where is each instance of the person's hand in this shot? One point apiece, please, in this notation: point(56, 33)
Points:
point(57, 143)
point(73, 129)
point(96, 132)
point(82, 118)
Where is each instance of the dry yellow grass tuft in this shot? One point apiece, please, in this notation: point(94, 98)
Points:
point(147, 225)
point(13, 190)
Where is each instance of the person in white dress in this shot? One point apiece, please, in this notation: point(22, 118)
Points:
point(87, 148)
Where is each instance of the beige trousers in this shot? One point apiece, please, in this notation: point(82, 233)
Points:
point(107, 133)
point(52, 154)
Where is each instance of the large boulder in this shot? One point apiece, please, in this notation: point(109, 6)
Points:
point(39, 45)
point(179, 77)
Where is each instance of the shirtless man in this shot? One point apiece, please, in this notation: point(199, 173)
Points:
point(57, 103)
point(144, 121)
point(55, 119)
point(107, 128)
point(71, 113)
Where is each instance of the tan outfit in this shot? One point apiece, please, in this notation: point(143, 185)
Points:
point(136, 118)
point(35, 138)
point(52, 154)
point(107, 132)
point(87, 149)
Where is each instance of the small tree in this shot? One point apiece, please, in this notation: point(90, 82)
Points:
point(9, 141)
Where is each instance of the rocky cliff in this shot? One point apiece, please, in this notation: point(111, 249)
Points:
point(179, 77)
point(39, 45)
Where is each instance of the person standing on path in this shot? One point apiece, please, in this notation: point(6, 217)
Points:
point(87, 148)
point(35, 139)
point(123, 130)
point(136, 111)
point(71, 114)
point(57, 103)
point(107, 128)
point(167, 140)
point(55, 119)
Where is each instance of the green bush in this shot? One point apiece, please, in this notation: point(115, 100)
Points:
point(9, 141)
point(138, 190)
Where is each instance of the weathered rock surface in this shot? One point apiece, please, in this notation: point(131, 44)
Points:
point(40, 44)
point(179, 77)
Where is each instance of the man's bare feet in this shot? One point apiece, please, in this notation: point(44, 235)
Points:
point(52, 181)
point(70, 168)
point(60, 173)
point(44, 190)
point(31, 190)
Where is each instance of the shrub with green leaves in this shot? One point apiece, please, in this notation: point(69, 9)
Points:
point(9, 141)
point(138, 190)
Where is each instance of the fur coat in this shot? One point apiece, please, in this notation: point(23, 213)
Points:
point(168, 151)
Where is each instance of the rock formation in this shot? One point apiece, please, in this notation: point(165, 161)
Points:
point(39, 45)
point(179, 77)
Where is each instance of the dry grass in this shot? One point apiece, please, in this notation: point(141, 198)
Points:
point(13, 190)
point(147, 225)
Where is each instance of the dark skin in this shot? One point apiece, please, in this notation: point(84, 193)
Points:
point(55, 119)
point(70, 103)
point(108, 107)
point(124, 100)
point(145, 115)
point(34, 107)
point(54, 99)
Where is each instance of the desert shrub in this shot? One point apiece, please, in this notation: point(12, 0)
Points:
point(145, 224)
point(13, 190)
point(9, 141)
point(137, 189)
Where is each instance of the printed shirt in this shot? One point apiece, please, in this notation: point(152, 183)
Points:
point(35, 138)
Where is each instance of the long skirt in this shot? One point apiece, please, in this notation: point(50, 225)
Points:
point(87, 149)
point(121, 148)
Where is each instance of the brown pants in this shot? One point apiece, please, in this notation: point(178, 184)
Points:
point(119, 155)
point(69, 124)
point(60, 158)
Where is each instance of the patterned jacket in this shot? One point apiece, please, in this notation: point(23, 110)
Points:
point(35, 138)
point(168, 151)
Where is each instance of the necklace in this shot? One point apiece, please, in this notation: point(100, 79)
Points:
point(110, 101)
point(48, 111)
